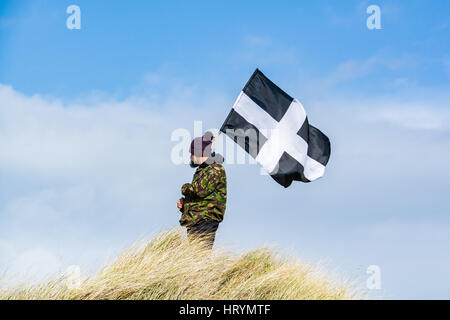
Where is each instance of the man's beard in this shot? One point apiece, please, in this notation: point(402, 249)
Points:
point(193, 164)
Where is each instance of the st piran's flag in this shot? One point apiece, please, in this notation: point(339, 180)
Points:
point(273, 128)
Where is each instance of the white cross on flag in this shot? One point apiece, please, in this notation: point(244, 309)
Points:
point(273, 128)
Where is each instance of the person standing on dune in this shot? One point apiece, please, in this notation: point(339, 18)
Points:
point(204, 202)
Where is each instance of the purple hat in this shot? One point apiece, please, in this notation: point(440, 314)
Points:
point(201, 146)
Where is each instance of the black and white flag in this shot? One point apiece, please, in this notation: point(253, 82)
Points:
point(273, 128)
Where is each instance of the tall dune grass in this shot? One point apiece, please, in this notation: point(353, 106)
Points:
point(169, 267)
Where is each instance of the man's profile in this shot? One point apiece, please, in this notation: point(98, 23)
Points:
point(204, 202)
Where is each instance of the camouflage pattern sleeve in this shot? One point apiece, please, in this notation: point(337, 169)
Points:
point(206, 185)
point(205, 197)
point(187, 190)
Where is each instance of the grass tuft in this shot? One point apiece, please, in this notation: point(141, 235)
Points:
point(169, 267)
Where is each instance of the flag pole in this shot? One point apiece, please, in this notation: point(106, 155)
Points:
point(215, 140)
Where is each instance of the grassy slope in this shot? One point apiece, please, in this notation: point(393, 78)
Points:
point(168, 267)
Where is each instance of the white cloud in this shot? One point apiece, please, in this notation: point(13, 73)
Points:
point(35, 264)
point(411, 117)
point(91, 177)
point(47, 137)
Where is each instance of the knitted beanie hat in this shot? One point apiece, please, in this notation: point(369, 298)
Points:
point(201, 146)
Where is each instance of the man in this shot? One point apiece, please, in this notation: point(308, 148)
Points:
point(203, 205)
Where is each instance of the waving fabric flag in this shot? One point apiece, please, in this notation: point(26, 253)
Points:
point(273, 128)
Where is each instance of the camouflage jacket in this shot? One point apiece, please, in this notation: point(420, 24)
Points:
point(205, 198)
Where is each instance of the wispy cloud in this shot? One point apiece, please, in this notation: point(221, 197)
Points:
point(257, 41)
point(355, 69)
point(412, 117)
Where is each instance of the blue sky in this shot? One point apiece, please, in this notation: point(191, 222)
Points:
point(86, 118)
